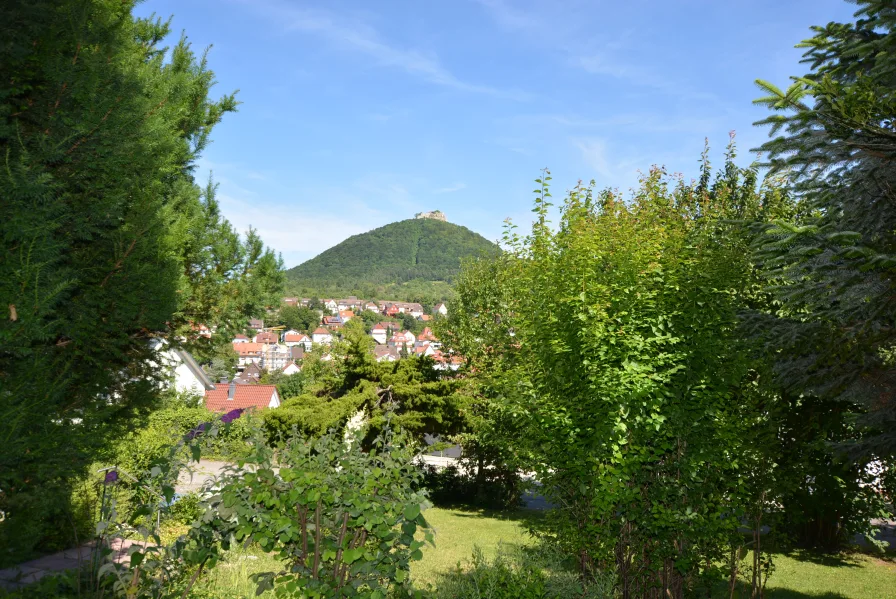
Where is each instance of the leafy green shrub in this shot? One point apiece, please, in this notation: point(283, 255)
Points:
point(341, 520)
point(537, 573)
point(186, 509)
point(453, 486)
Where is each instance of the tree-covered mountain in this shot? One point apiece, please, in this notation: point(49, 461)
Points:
point(402, 254)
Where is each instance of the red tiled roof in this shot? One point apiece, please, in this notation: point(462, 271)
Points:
point(266, 338)
point(321, 331)
point(245, 396)
point(247, 348)
point(298, 337)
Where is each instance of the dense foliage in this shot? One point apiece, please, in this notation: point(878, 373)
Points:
point(831, 268)
point(416, 251)
point(107, 240)
point(341, 520)
point(612, 343)
point(345, 380)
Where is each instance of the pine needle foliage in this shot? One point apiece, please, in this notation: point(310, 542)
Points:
point(108, 243)
point(831, 268)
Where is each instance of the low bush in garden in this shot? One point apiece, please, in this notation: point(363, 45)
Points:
point(342, 521)
point(522, 573)
point(454, 485)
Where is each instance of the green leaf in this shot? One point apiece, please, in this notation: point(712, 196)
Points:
point(411, 511)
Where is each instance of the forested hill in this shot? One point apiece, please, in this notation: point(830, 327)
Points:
point(415, 249)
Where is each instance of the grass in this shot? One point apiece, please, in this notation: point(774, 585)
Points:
point(848, 576)
point(797, 575)
point(459, 530)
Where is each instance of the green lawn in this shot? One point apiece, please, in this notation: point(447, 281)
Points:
point(458, 531)
point(796, 576)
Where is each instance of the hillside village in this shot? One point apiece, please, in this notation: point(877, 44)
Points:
point(271, 349)
point(276, 349)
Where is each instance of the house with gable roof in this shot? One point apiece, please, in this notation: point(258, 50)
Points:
point(379, 332)
point(322, 335)
point(266, 338)
point(248, 353)
point(224, 398)
point(386, 353)
point(291, 338)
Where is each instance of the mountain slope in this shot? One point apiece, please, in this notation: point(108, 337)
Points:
point(423, 249)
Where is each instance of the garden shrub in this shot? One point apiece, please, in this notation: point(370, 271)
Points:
point(453, 485)
point(522, 573)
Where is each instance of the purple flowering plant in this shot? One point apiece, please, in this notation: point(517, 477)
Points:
point(232, 415)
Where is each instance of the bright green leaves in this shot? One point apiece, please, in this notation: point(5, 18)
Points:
point(342, 520)
point(624, 320)
point(411, 512)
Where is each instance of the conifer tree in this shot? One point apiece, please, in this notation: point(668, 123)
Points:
point(832, 268)
point(107, 241)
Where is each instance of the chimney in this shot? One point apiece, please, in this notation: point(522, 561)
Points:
point(231, 391)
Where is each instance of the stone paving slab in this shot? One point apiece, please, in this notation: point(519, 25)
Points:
point(70, 559)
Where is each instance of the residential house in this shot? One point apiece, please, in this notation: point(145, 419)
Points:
point(248, 353)
point(390, 309)
point(224, 398)
point(275, 356)
point(291, 301)
point(424, 318)
point(447, 362)
point(321, 335)
point(424, 349)
point(240, 339)
point(346, 315)
point(427, 336)
point(414, 309)
point(405, 338)
point(256, 323)
point(186, 374)
point(440, 309)
point(292, 338)
point(386, 353)
point(351, 303)
point(297, 353)
point(331, 305)
point(201, 330)
point(371, 307)
point(266, 338)
point(332, 322)
point(250, 375)
point(291, 369)
point(379, 332)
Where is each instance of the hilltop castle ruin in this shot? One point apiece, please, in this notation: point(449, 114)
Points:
point(435, 214)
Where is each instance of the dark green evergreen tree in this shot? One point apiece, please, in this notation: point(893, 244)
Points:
point(108, 243)
point(831, 269)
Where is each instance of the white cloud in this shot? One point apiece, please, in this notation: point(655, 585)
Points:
point(297, 234)
point(349, 33)
point(594, 154)
point(451, 188)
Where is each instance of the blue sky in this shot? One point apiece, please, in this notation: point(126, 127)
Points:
point(360, 113)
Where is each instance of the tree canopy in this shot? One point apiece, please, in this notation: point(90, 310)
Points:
point(108, 242)
point(407, 258)
point(831, 267)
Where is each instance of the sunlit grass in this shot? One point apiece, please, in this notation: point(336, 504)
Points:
point(798, 575)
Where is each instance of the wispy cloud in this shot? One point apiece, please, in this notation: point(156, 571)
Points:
point(594, 154)
point(349, 32)
point(450, 188)
point(510, 16)
point(603, 64)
